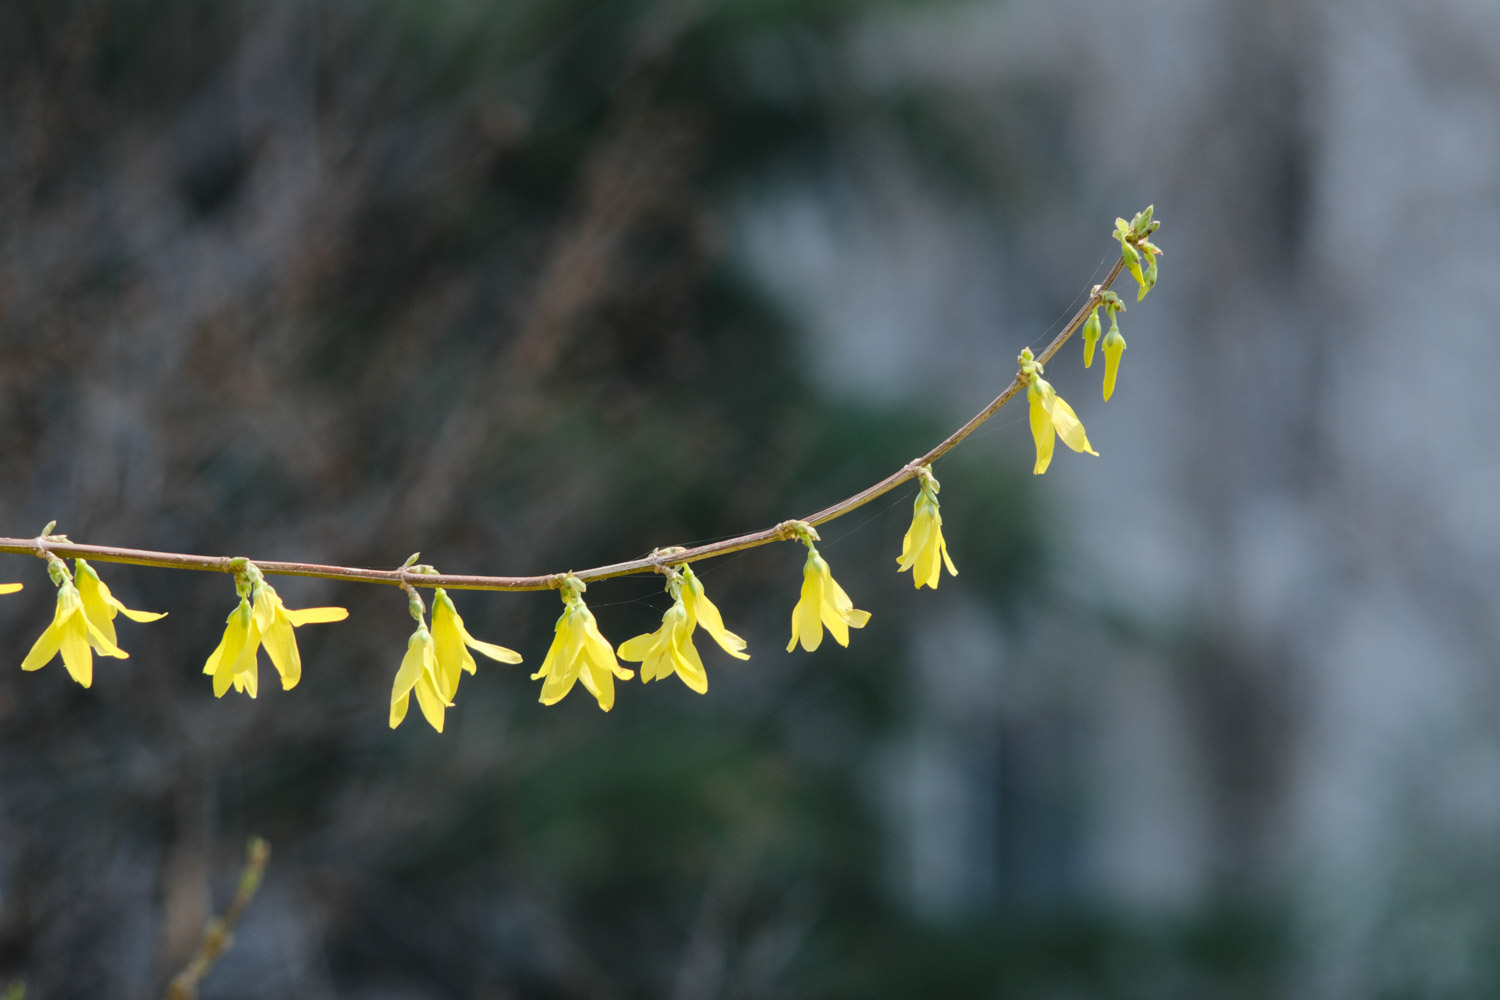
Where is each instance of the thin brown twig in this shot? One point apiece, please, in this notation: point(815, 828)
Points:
point(43, 546)
point(218, 936)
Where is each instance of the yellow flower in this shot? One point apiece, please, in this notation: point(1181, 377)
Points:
point(923, 546)
point(261, 619)
point(579, 652)
point(702, 611)
point(10, 588)
point(452, 643)
point(419, 671)
point(233, 660)
point(669, 649)
point(73, 635)
point(1050, 413)
point(101, 606)
point(1114, 346)
point(823, 603)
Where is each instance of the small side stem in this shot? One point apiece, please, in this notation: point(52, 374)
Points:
point(218, 936)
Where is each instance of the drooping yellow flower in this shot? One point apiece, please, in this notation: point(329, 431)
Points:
point(1049, 414)
point(579, 652)
point(232, 663)
point(101, 606)
point(823, 603)
point(10, 588)
point(420, 672)
point(262, 620)
point(669, 650)
point(923, 550)
point(702, 611)
point(72, 634)
point(452, 643)
point(1114, 346)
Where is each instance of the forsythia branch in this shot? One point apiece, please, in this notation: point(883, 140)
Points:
point(437, 657)
point(45, 545)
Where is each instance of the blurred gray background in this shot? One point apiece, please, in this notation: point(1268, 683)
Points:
point(543, 284)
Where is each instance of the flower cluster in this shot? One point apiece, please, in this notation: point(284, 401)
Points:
point(823, 602)
point(1114, 344)
point(1050, 415)
point(1137, 251)
point(437, 657)
point(579, 652)
point(923, 547)
point(83, 622)
point(260, 619)
point(670, 648)
point(436, 660)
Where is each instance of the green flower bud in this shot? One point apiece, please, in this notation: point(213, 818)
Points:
point(1132, 263)
point(1141, 221)
point(1090, 337)
point(1114, 346)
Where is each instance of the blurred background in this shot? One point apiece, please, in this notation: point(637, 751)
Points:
point(542, 284)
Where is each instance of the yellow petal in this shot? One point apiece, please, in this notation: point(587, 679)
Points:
point(222, 661)
point(1068, 427)
point(97, 600)
point(688, 663)
point(807, 624)
point(448, 646)
point(245, 662)
point(658, 666)
point(410, 671)
point(915, 539)
point(76, 654)
point(653, 651)
point(10, 588)
point(562, 664)
point(101, 642)
point(637, 649)
point(601, 651)
point(838, 611)
point(281, 645)
point(248, 681)
point(834, 621)
point(1041, 426)
point(554, 651)
point(500, 654)
point(44, 649)
point(704, 612)
point(240, 670)
point(266, 603)
point(223, 675)
point(583, 672)
point(140, 616)
point(430, 703)
point(926, 569)
point(600, 682)
point(315, 616)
